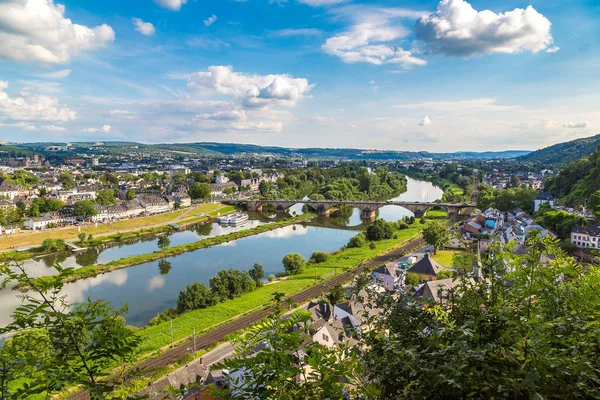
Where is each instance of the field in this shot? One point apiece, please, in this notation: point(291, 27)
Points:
point(158, 336)
point(187, 215)
point(446, 258)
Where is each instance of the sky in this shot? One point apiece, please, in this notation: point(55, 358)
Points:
point(449, 75)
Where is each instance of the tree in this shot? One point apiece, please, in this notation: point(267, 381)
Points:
point(164, 266)
point(436, 234)
point(293, 263)
point(319, 257)
point(336, 295)
point(66, 179)
point(257, 273)
point(81, 237)
point(199, 190)
point(84, 209)
point(195, 296)
point(380, 230)
point(357, 241)
point(231, 283)
point(53, 244)
point(106, 197)
point(64, 345)
point(412, 279)
point(130, 194)
point(445, 274)
point(264, 187)
point(515, 181)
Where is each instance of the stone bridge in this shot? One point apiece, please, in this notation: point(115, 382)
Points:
point(368, 209)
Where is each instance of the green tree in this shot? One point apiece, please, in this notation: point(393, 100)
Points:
point(264, 187)
point(163, 242)
point(336, 295)
point(319, 257)
point(81, 237)
point(195, 296)
point(412, 279)
point(130, 194)
point(53, 244)
point(81, 340)
point(380, 230)
point(231, 283)
point(293, 263)
point(106, 197)
point(357, 241)
point(436, 234)
point(66, 179)
point(199, 191)
point(257, 273)
point(445, 274)
point(84, 209)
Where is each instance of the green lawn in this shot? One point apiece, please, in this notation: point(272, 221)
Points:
point(447, 258)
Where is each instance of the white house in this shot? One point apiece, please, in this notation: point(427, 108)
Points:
point(586, 238)
point(10, 190)
point(41, 222)
point(350, 310)
point(543, 198)
point(386, 276)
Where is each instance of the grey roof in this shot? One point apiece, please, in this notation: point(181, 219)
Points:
point(426, 266)
point(437, 290)
point(387, 269)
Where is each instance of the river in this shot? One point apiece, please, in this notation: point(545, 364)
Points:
point(148, 289)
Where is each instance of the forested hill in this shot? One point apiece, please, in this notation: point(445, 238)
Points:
point(579, 182)
point(563, 153)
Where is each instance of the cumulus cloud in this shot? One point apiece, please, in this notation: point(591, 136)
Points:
point(29, 106)
point(373, 38)
point(457, 29)
point(145, 28)
point(252, 90)
point(37, 30)
point(174, 5)
point(425, 121)
point(576, 125)
point(210, 20)
point(104, 128)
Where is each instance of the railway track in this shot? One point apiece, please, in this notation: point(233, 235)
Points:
point(219, 334)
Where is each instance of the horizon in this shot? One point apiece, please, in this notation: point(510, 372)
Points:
point(427, 75)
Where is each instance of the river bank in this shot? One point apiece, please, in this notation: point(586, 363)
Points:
point(95, 270)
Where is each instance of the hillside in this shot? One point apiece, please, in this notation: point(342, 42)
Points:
point(579, 182)
point(563, 153)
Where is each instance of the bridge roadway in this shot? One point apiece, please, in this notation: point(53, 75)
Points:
point(367, 208)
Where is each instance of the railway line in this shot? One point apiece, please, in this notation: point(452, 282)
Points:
point(219, 334)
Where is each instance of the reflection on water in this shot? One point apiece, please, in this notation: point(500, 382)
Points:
point(152, 287)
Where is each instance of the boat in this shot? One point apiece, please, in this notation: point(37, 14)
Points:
point(238, 218)
point(223, 220)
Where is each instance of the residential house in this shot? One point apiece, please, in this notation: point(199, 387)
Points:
point(349, 312)
point(183, 198)
point(217, 189)
point(9, 190)
point(586, 237)
point(154, 204)
point(543, 198)
point(427, 269)
point(386, 275)
point(437, 291)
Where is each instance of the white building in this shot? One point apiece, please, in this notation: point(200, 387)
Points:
point(586, 238)
point(543, 198)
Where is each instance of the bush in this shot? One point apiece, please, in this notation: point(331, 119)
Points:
point(380, 230)
point(445, 274)
point(195, 296)
point(372, 245)
point(412, 279)
point(356, 241)
point(293, 263)
point(401, 225)
point(166, 315)
point(53, 245)
point(271, 278)
point(319, 257)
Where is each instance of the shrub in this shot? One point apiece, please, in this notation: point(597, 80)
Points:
point(380, 230)
point(356, 241)
point(319, 257)
point(293, 263)
point(372, 245)
point(271, 278)
point(412, 279)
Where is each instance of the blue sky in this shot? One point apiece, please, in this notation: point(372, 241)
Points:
point(406, 75)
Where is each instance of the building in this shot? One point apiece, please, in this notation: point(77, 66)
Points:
point(427, 269)
point(183, 198)
point(543, 198)
point(437, 291)
point(386, 276)
point(586, 238)
point(9, 190)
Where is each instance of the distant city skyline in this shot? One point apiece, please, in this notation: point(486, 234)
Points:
point(438, 76)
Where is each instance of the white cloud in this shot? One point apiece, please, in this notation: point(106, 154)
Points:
point(156, 282)
point(174, 5)
point(232, 115)
point(23, 125)
point(576, 125)
point(210, 20)
point(145, 28)
point(373, 38)
point(457, 29)
point(553, 50)
point(252, 90)
point(425, 121)
point(104, 128)
point(59, 74)
point(316, 3)
point(121, 114)
point(36, 30)
point(53, 128)
point(460, 106)
point(30, 106)
point(263, 126)
point(296, 32)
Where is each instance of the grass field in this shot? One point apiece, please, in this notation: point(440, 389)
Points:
point(158, 336)
point(457, 190)
point(447, 258)
point(186, 215)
